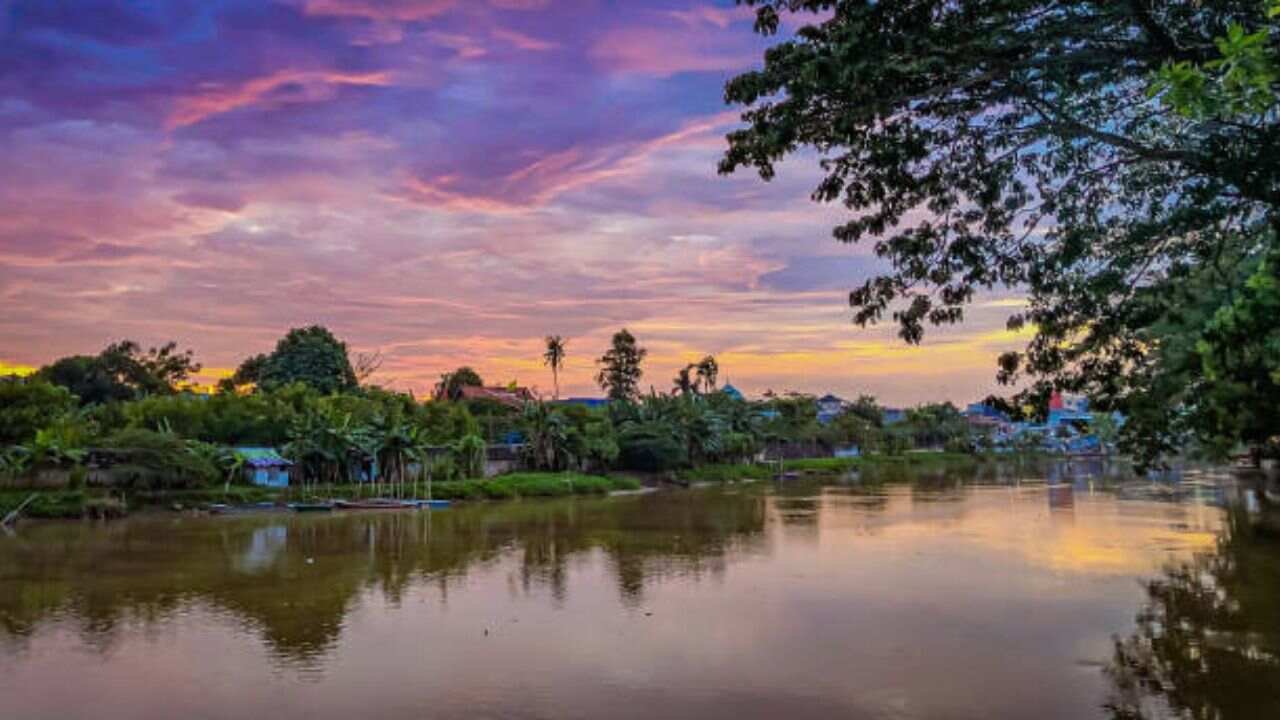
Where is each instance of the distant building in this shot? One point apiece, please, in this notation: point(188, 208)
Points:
point(264, 466)
point(892, 416)
point(984, 410)
point(984, 419)
point(514, 397)
point(584, 401)
point(732, 392)
point(829, 408)
point(1068, 410)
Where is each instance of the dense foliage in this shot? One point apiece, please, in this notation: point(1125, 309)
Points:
point(1096, 156)
point(122, 371)
point(311, 356)
point(340, 434)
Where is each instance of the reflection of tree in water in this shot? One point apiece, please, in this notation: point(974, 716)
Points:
point(294, 579)
point(1208, 639)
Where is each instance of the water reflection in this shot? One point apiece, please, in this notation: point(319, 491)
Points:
point(295, 578)
point(1207, 643)
point(896, 592)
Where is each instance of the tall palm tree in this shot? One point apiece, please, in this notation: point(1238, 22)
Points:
point(708, 372)
point(683, 383)
point(554, 357)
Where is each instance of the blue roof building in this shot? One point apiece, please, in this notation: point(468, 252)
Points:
point(264, 466)
point(584, 401)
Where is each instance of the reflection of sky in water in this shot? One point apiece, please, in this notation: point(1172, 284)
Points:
point(934, 600)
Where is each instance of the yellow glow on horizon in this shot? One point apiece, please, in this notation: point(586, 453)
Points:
point(8, 368)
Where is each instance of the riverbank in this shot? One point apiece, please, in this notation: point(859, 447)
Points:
point(100, 502)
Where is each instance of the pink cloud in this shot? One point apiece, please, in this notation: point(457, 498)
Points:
point(402, 10)
point(520, 4)
point(523, 42)
point(302, 86)
point(465, 47)
point(663, 53)
point(719, 17)
point(542, 180)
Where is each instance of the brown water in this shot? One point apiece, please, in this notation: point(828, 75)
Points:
point(941, 597)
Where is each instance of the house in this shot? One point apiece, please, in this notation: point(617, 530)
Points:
point(732, 392)
point(829, 408)
point(984, 419)
point(1068, 410)
point(511, 396)
point(983, 410)
point(893, 416)
point(264, 466)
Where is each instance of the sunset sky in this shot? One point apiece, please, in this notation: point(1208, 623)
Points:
point(444, 181)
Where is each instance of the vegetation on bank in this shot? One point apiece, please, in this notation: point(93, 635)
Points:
point(122, 419)
point(97, 502)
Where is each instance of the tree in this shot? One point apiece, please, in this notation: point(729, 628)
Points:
point(310, 355)
point(122, 371)
point(683, 383)
point(248, 373)
point(1063, 149)
point(28, 406)
point(708, 372)
point(162, 369)
point(451, 384)
point(620, 370)
point(553, 357)
point(1239, 358)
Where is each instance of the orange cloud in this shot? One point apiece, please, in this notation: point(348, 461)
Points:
point(304, 86)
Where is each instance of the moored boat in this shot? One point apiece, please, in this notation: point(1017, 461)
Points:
point(373, 504)
point(311, 506)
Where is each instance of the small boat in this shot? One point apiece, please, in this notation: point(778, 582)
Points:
point(427, 503)
point(227, 509)
point(311, 506)
point(374, 504)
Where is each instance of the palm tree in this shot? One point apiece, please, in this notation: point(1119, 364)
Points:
point(683, 383)
point(554, 357)
point(708, 371)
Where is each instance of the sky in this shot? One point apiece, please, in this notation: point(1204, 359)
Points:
point(441, 181)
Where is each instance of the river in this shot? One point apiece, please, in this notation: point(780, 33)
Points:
point(964, 594)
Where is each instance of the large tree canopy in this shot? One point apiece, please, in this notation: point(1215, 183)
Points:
point(1094, 155)
point(310, 355)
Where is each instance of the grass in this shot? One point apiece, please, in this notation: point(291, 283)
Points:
point(48, 503)
point(531, 484)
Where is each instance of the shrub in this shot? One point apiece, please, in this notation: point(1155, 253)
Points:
point(650, 450)
point(151, 460)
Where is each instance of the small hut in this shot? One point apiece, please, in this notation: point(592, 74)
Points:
point(264, 466)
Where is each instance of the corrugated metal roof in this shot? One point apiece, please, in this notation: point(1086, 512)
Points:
point(261, 457)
